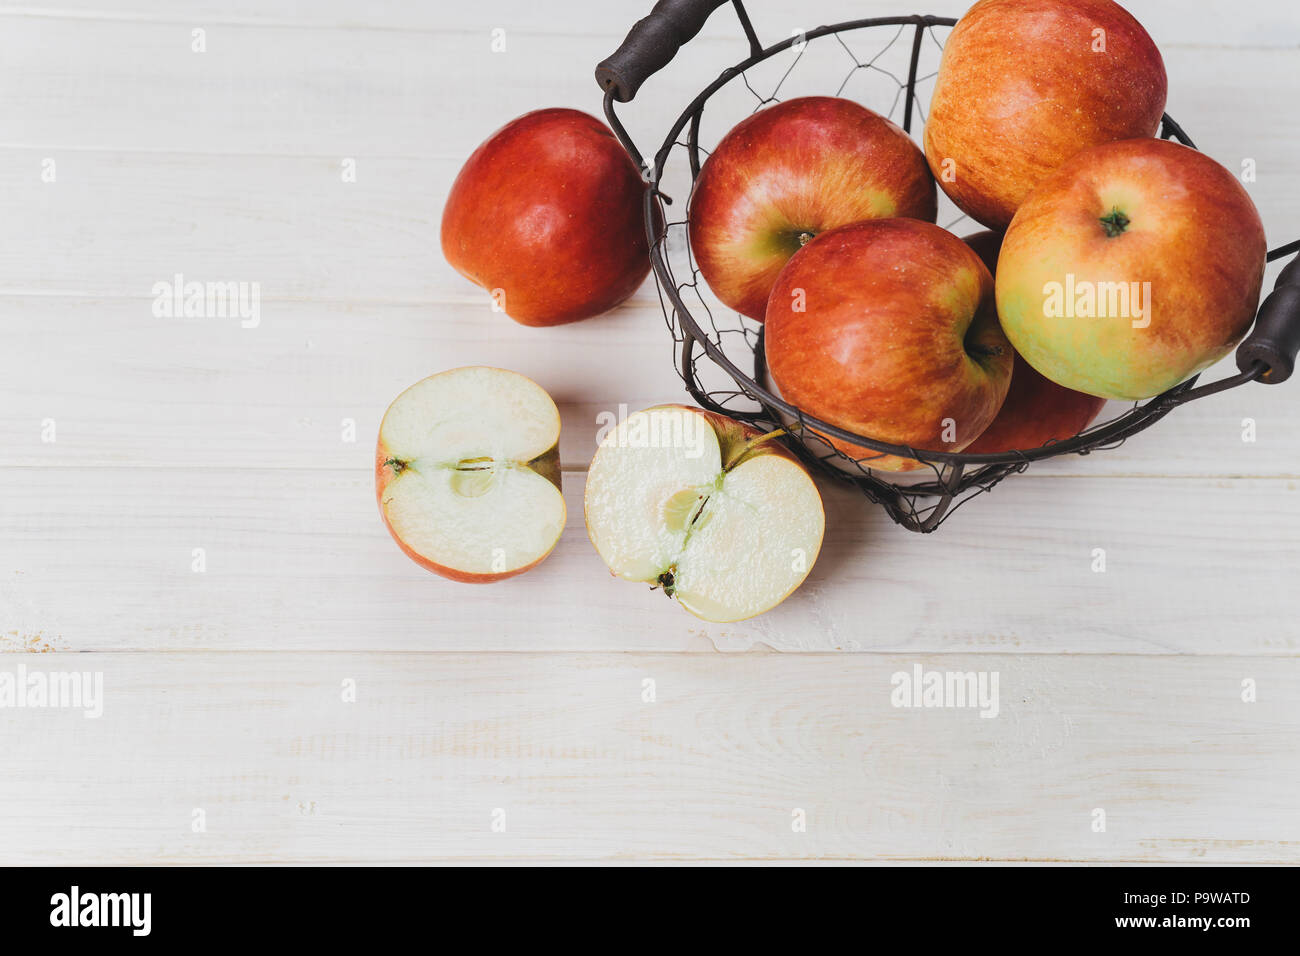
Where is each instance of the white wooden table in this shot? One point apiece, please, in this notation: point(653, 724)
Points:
point(513, 722)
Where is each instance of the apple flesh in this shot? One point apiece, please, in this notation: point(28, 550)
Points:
point(547, 216)
point(1136, 265)
point(887, 329)
point(712, 511)
point(1023, 85)
point(1036, 410)
point(788, 173)
point(467, 473)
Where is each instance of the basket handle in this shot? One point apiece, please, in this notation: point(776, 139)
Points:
point(651, 44)
point(1275, 339)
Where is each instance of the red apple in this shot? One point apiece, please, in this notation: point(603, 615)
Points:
point(1023, 85)
point(1036, 410)
point(788, 173)
point(547, 216)
point(1136, 265)
point(987, 244)
point(887, 328)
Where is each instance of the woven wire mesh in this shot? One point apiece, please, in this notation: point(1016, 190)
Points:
point(888, 65)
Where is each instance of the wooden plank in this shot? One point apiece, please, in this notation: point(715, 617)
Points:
point(300, 91)
point(567, 752)
point(100, 559)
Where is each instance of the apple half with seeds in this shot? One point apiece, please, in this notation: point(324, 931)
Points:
point(713, 511)
point(467, 473)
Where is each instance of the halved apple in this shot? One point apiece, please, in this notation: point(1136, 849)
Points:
point(467, 473)
point(712, 511)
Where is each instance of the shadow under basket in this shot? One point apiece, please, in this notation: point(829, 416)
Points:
point(887, 64)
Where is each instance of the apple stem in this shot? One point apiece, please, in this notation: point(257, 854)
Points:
point(749, 446)
point(1114, 223)
point(396, 464)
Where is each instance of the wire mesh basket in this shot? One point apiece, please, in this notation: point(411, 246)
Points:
point(887, 64)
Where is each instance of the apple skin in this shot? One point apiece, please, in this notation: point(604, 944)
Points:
point(987, 244)
point(1036, 410)
point(546, 465)
point(549, 210)
point(798, 169)
point(1191, 232)
point(899, 334)
point(1020, 90)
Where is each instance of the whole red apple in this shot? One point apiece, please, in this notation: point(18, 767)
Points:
point(887, 328)
point(1023, 85)
point(1036, 410)
point(788, 173)
point(1136, 265)
point(547, 215)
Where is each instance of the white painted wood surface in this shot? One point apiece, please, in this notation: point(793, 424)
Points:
point(1120, 691)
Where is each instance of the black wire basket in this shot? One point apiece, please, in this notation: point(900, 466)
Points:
point(887, 64)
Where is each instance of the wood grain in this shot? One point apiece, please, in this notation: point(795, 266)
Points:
point(584, 767)
point(100, 559)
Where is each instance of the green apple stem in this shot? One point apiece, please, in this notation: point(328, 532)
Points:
point(1114, 223)
point(396, 464)
point(749, 447)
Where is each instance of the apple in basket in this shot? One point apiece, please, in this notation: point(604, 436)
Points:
point(1037, 410)
point(711, 511)
point(467, 473)
point(1136, 265)
point(788, 173)
point(1023, 85)
point(547, 216)
point(887, 329)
